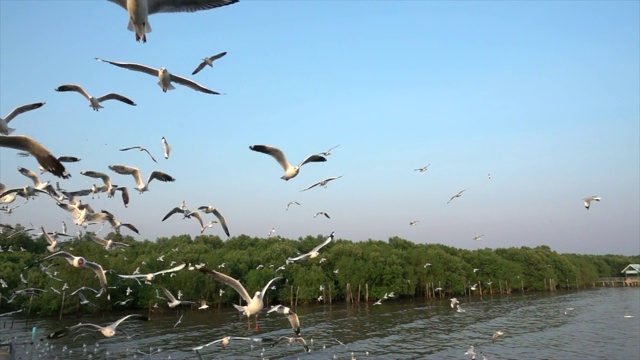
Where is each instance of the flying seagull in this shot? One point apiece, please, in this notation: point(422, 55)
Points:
point(208, 61)
point(423, 169)
point(589, 199)
point(108, 244)
point(37, 150)
point(141, 186)
point(151, 276)
point(208, 209)
point(321, 213)
point(292, 203)
point(290, 315)
point(322, 182)
point(328, 152)
point(496, 335)
point(254, 304)
point(478, 237)
point(187, 214)
point(414, 222)
point(224, 342)
point(289, 171)
point(139, 11)
point(164, 76)
point(94, 103)
point(166, 149)
point(172, 301)
point(457, 195)
point(80, 262)
point(290, 340)
point(314, 252)
point(141, 149)
point(107, 331)
point(4, 122)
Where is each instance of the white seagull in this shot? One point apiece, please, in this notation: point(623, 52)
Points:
point(321, 213)
point(164, 76)
point(208, 209)
point(37, 150)
point(4, 122)
point(109, 330)
point(459, 194)
point(589, 199)
point(314, 252)
point(292, 203)
point(166, 149)
point(150, 276)
point(254, 304)
point(141, 186)
point(203, 305)
point(94, 103)
point(322, 183)
point(141, 149)
point(290, 315)
point(139, 11)
point(108, 244)
point(478, 237)
point(172, 301)
point(328, 152)
point(208, 61)
point(80, 262)
point(290, 171)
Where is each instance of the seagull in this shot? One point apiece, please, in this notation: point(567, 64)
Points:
point(379, 302)
point(254, 305)
point(414, 222)
point(53, 244)
point(292, 203)
point(172, 301)
point(124, 302)
point(474, 287)
point(108, 244)
point(107, 331)
point(37, 150)
point(290, 340)
point(160, 258)
point(478, 237)
point(454, 303)
point(164, 76)
point(208, 61)
point(139, 11)
point(289, 171)
point(322, 183)
point(150, 276)
point(471, 353)
point(135, 172)
point(80, 262)
point(141, 149)
point(426, 265)
point(291, 316)
point(589, 199)
point(314, 252)
point(208, 209)
point(187, 214)
point(203, 305)
point(271, 232)
point(94, 103)
point(459, 194)
point(179, 321)
point(437, 289)
point(224, 342)
point(37, 183)
point(129, 291)
point(328, 152)
point(496, 335)
point(476, 270)
point(423, 169)
point(84, 301)
point(4, 122)
point(321, 213)
point(110, 189)
point(166, 149)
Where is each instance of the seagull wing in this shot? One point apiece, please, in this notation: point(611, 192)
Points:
point(217, 56)
point(169, 295)
point(44, 157)
point(98, 240)
point(125, 194)
point(97, 175)
point(199, 218)
point(311, 186)
point(160, 6)
point(99, 272)
point(128, 170)
point(266, 287)
point(160, 176)
point(76, 88)
point(274, 152)
point(34, 177)
point(47, 237)
point(114, 96)
point(152, 158)
point(131, 66)
point(223, 221)
point(21, 109)
point(173, 211)
point(200, 67)
point(328, 240)
point(173, 269)
point(235, 284)
point(135, 316)
point(313, 158)
point(68, 159)
point(192, 84)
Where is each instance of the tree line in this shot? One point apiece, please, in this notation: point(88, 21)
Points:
point(344, 271)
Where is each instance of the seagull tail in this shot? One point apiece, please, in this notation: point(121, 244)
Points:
point(240, 308)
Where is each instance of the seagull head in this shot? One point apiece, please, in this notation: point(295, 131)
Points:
point(150, 277)
point(78, 261)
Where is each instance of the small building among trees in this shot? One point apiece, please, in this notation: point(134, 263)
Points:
point(631, 274)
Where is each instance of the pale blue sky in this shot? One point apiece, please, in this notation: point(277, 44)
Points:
point(545, 96)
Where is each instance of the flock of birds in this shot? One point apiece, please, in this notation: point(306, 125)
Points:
point(83, 214)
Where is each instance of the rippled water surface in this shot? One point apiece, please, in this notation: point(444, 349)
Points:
point(536, 326)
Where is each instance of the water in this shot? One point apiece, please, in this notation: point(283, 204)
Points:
point(535, 326)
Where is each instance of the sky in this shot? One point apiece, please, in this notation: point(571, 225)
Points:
point(544, 96)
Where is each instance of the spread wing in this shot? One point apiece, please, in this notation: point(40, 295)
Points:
point(114, 96)
point(44, 157)
point(192, 84)
point(222, 220)
point(235, 284)
point(21, 109)
point(131, 66)
point(274, 152)
point(160, 6)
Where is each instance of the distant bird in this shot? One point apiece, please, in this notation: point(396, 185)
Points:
point(208, 209)
point(328, 152)
point(187, 214)
point(4, 122)
point(489, 176)
point(203, 305)
point(471, 353)
point(476, 270)
point(321, 213)
point(166, 149)
point(314, 252)
point(292, 203)
point(164, 76)
point(426, 265)
point(454, 303)
point(108, 244)
point(589, 199)
point(141, 149)
point(290, 315)
point(423, 169)
point(179, 321)
point(94, 103)
point(208, 225)
point(437, 289)
point(414, 222)
point(322, 183)
point(84, 301)
point(379, 302)
point(290, 340)
point(141, 186)
point(254, 304)
point(172, 301)
point(123, 302)
point(129, 291)
point(473, 287)
point(271, 232)
point(208, 61)
point(478, 237)
point(459, 194)
point(151, 276)
point(139, 11)
point(37, 150)
point(496, 335)
point(225, 341)
point(290, 171)
point(80, 262)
